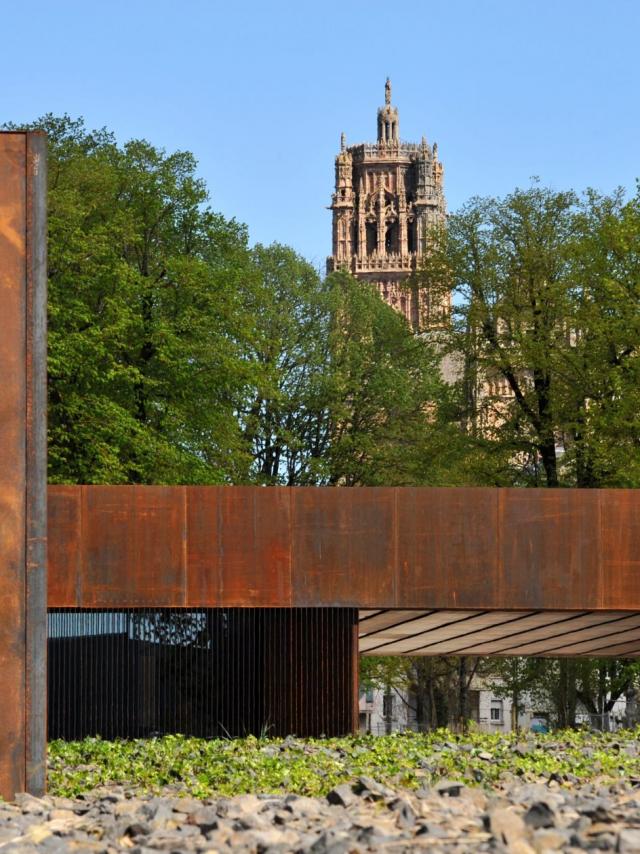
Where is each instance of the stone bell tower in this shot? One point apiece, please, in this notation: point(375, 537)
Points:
point(387, 196)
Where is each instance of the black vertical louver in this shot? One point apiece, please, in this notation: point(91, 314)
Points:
point(209, 672)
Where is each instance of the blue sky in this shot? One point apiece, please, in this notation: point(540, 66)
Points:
point(260, 91)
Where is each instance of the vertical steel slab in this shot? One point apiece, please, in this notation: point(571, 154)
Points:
point(13, 248)
point(22, 462)
point(620, 551)
point(36, 465)
point(446, 555)
point(337, 536)
point(64, 547)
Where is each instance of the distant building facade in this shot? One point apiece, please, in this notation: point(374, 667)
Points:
point(388, 194)
point(384, 712)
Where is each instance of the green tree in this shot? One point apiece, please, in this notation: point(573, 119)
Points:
point(603, 414)
point(346, 395)
point(390, 423)
point(555, 688)
point(286, 420)
point(147, 326)
point(546, 326)
point(512, 677)
point(602, 682)
point(435, 688)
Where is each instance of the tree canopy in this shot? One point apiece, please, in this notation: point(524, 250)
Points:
point(179, 354)
point(546, 322)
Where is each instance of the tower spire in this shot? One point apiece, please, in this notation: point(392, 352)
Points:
point(388, 123)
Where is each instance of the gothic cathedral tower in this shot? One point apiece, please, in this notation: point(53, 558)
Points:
point(387, 196)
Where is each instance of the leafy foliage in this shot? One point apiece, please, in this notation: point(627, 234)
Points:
point(388, 411)
point(313, 767)
point(435, 688)
point(546, 322)
point(286, 416)
point(147, 322)
point(177, 354)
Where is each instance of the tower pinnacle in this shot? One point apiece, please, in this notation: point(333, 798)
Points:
point(388, 130)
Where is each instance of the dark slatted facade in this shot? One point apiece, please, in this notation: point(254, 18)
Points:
point(208, 672)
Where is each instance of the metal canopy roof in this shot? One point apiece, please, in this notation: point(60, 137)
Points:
point(526, 633)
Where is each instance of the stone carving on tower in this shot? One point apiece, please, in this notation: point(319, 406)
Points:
point(387, 196)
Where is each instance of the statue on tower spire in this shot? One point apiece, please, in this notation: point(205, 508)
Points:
point(388, 118)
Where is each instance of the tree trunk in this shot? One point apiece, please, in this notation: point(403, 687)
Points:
point(567, 694)
point(632, 711)
point(515, 710)
point(462, 694)
point(602, 694)
point(548, 454)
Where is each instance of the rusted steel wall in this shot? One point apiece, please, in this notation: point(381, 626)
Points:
point(361, 548)
point(22, 462)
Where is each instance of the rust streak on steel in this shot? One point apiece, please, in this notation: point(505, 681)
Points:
point(22, 461)
point(131, 546)
point(12, 460)
point(529, 549)
point(238, 546)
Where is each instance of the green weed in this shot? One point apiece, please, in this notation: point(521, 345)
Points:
point(203, 768)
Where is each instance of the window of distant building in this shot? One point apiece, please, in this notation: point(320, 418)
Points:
point(369, 695)
point(387, 705)
point(496, 711)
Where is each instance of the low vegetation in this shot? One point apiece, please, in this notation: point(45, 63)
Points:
point(204, 768)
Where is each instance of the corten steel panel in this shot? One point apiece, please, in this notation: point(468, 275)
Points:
point(22, 462)
point(343, 546)
point(483, 549)
point(12, 461)
point(65, 572)
point(132, 546)
point(620, 537)
point(238, 546)
point(447, 549)
point(550, 548)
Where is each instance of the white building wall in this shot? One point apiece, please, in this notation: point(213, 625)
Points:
point(373, 719)
point(372, 712)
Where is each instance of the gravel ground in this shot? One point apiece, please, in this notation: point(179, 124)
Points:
point(363, 816)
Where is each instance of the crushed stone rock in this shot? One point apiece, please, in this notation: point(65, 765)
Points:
point(518, 816)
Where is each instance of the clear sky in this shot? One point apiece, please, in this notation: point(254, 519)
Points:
point(260, 91)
